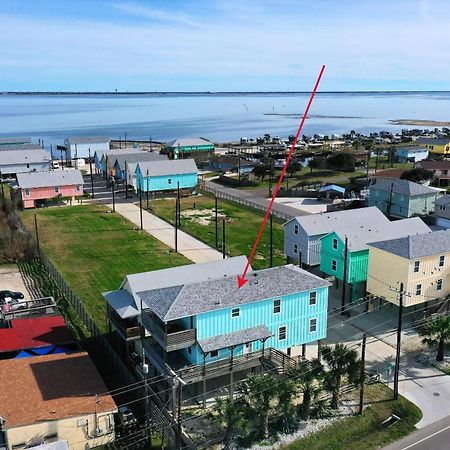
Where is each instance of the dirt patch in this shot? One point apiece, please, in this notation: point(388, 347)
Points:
point(204, 216)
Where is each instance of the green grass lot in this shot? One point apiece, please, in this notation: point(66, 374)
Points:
point(365, 431)
point(383, 164)
point(306, 177)
point(94, 250)
point(241, 227)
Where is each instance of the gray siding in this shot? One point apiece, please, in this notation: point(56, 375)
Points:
point(11, 169)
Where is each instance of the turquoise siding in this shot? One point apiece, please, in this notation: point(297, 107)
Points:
point(295, 314)
point(195, 148)
point(402, 205)
point(357, 262)
point(166, 182)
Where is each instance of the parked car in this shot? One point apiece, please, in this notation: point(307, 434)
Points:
point(11, 294)
point(9, 304)
point(126, 416)
point(55, 165)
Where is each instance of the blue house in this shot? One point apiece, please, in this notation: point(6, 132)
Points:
point(167, 175)
point(123, 161)
point(196, 317)
point(411, 154)
point(402, 198)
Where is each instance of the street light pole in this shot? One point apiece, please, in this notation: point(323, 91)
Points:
point(399, 338)
point(344, 283)
point(223, 239)
point(271, 240)
point(126, 180)
point(113, 196)
point(363, 374)
point(140, 203)
point(217, 231)
point(146, 191)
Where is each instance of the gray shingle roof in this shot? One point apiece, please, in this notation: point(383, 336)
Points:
point(316, 224)
point(197, 298)
point(413, 247)
point(433, 141)
point(404, 187)
point(444, 200)
point(173, 167)
point(49, 179)
point(15, 140)
point(359, 237)
point(433, 165)
point(125, 300)
point(10, 157)
point(4, 147)
point(188, 142)
point(236, 338)
point(87, 139)
point(138, 157)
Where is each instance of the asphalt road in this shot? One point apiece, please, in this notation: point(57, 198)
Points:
point(432, 437)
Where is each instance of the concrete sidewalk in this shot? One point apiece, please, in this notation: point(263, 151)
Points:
point(425, 386)
point(188, 246)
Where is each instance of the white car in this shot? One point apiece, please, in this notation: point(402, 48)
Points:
point(55, 165)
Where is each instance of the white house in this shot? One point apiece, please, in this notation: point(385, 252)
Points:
point(302, 234)
point(79, 146)
point(13, 162)
point(411, 154)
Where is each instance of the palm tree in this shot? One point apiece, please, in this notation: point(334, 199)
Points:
point(260, 391)
point(436, 332)
point(286, 390)
point(229, 413)
point(341, 361)
point(307, 375)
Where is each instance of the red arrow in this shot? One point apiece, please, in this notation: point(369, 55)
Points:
point(241, 279)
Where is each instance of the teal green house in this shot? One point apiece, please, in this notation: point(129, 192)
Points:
point(185, 146)
point(154, 176)
point(332, 249)
point(402, 198)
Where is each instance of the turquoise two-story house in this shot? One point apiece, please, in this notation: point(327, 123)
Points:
point(200, 325)
point(182, 147)
point(154, 176)
point(402, 198)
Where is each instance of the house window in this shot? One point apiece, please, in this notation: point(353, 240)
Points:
point(296, 229)
point(439, 285)
point(335, 243)
point(28, 166)
point(441, 260)
point(77, 187)
point(235, 312)
point(419, 289)
point(333, 265)
point(169, 180)
point(296, 249)
point(56, 189)
point(282, 333)
point(189, 350)
point(277, 306)
point(312, 298)
point(214, 353)
point(416, 266)
point(312, 325)
point(27, 192)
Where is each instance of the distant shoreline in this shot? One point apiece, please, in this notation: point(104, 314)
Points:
point(75, 93)
point(420, 122)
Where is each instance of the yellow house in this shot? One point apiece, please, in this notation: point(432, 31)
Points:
point(52, 398)
point(421, 262)
point(439, 146)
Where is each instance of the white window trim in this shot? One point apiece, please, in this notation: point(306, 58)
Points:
point(285, 332)
point(295, 249)
point(296, 228)
point(442, 257)
point(239, 313)
point(27, 192)
point(315, 298)
point(335, 241)
point(419, 289)
point(418, 267)
point(310, 321)
point(335, 265)
point(273, 306)
point(437, 284)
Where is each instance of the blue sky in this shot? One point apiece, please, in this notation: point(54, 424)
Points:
point(224, 45)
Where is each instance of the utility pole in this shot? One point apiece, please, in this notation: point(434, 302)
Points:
point(36, 230)
point(367, 169)
point(180, 382)
point(270, 177)
point(223, 238)
point(271, 240)
point(239, 166)
point(217, 232)
point(76, 156)
point(146, 191)
point(176, 225)
point(62, 160)
point(3, 192)
point(113, 197)
point(126, 140)
point(389, 204)
point(179, 204)
point(344, 284)
point(92, 176)
point(140, 203)
point(399, 338)
point(126, 180)
point(363, 374)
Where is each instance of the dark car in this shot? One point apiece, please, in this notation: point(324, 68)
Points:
point(11, 294)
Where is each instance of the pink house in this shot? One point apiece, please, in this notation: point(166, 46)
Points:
point(46, 185)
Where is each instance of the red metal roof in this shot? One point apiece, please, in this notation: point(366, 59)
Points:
point(34, 333)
